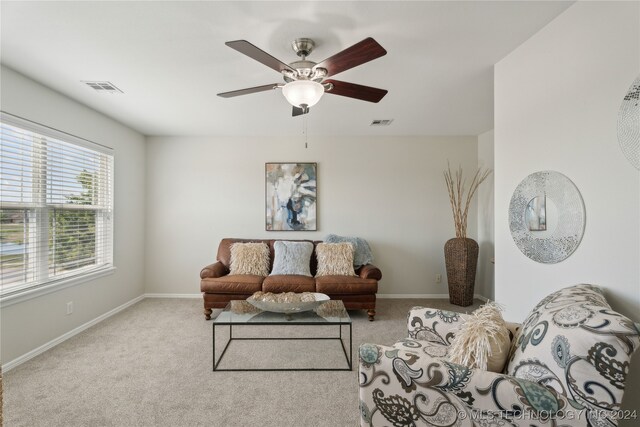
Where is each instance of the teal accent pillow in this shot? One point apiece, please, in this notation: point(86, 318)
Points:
point(292, 258)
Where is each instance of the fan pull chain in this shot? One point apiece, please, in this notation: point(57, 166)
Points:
point(304, 131)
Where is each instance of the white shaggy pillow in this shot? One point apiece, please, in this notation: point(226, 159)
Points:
point(335, 259)
point(482, 341)
point(250, 258)
point(292, 258)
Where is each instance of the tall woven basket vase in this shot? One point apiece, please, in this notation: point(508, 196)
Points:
point(461, 259)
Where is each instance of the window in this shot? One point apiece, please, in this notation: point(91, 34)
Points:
point(56, 207)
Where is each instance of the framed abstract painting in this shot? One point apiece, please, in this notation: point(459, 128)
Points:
point(290, 196)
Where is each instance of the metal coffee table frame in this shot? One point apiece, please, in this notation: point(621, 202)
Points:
point(292, 322)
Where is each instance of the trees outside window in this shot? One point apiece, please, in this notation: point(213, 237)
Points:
point(56, 203)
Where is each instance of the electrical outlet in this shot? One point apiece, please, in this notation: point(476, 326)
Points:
point(69, 307)
point(438, 278)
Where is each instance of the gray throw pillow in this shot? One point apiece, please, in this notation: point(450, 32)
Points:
point(362, 254)
point(292, 258)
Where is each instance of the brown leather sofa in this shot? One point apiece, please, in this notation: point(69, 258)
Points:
point(219, 287)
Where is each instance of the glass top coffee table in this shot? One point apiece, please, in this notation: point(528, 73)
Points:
point(240, 313)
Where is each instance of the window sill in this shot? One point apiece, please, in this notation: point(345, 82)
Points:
point(10, 298)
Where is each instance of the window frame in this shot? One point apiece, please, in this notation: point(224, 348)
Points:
point(24, 291)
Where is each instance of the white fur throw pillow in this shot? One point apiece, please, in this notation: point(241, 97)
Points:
point(482, 341)
point(335, 259)
point(250, 258)
point(292, 258)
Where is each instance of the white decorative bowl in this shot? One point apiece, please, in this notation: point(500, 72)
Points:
point(290, 307)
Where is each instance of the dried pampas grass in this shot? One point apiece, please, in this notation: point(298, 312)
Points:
point(459, 203)
point(482, 341)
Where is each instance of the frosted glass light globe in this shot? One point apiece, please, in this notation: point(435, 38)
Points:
point(303, 92)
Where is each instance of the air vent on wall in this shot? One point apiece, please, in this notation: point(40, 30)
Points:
point(103, 87)
point(381, 122)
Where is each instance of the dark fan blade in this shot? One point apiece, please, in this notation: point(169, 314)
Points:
point(352, 90)
point(297, 111)
point(365, 51)
point(248, 90)
point(258, 54)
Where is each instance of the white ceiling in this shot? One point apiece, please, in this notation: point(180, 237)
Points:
point(170, 60)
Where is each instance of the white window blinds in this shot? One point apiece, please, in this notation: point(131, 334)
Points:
point(56, 206)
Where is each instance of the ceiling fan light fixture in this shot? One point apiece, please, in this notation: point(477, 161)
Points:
point(303, 92)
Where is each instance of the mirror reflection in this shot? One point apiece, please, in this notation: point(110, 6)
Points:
point(536, 213)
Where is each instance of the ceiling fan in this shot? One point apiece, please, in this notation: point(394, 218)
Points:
point(305, 81)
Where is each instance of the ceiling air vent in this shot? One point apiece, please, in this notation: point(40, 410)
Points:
point(381, 122)
point(103, 87)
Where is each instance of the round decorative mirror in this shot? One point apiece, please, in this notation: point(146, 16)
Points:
point(629, 124)
point(547, 217)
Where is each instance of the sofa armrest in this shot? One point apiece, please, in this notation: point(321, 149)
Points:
point(431, 324)
point(217, 269)
point(400, 387)
point(370, 271)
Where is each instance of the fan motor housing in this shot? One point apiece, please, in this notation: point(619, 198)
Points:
point(304, 68)
point(304, 71)
point(303, 46)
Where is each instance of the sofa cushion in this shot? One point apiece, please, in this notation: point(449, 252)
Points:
point(289, 283)
point(362, 252)
point(292, 258)
point(575, 343)
point(335, 259)
point(232, 284)
point(346, 285)
point(250, 258)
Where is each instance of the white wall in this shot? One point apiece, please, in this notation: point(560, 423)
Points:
point(486, 239)
point(556, 102)
point(30, 324)
point(388, 190)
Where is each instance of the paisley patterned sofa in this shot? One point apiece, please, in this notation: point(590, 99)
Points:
point(567, 367)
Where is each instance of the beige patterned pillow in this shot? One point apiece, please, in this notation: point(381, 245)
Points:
point(335, 259)
point(482, 342)
point(250, 258)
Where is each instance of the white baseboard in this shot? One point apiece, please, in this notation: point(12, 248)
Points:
point(427, 296)
point(173, 295)
point(411, 296)
point(481, 298)
point(54, 342)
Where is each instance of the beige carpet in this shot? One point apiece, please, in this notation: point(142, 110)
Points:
point(150, 365)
